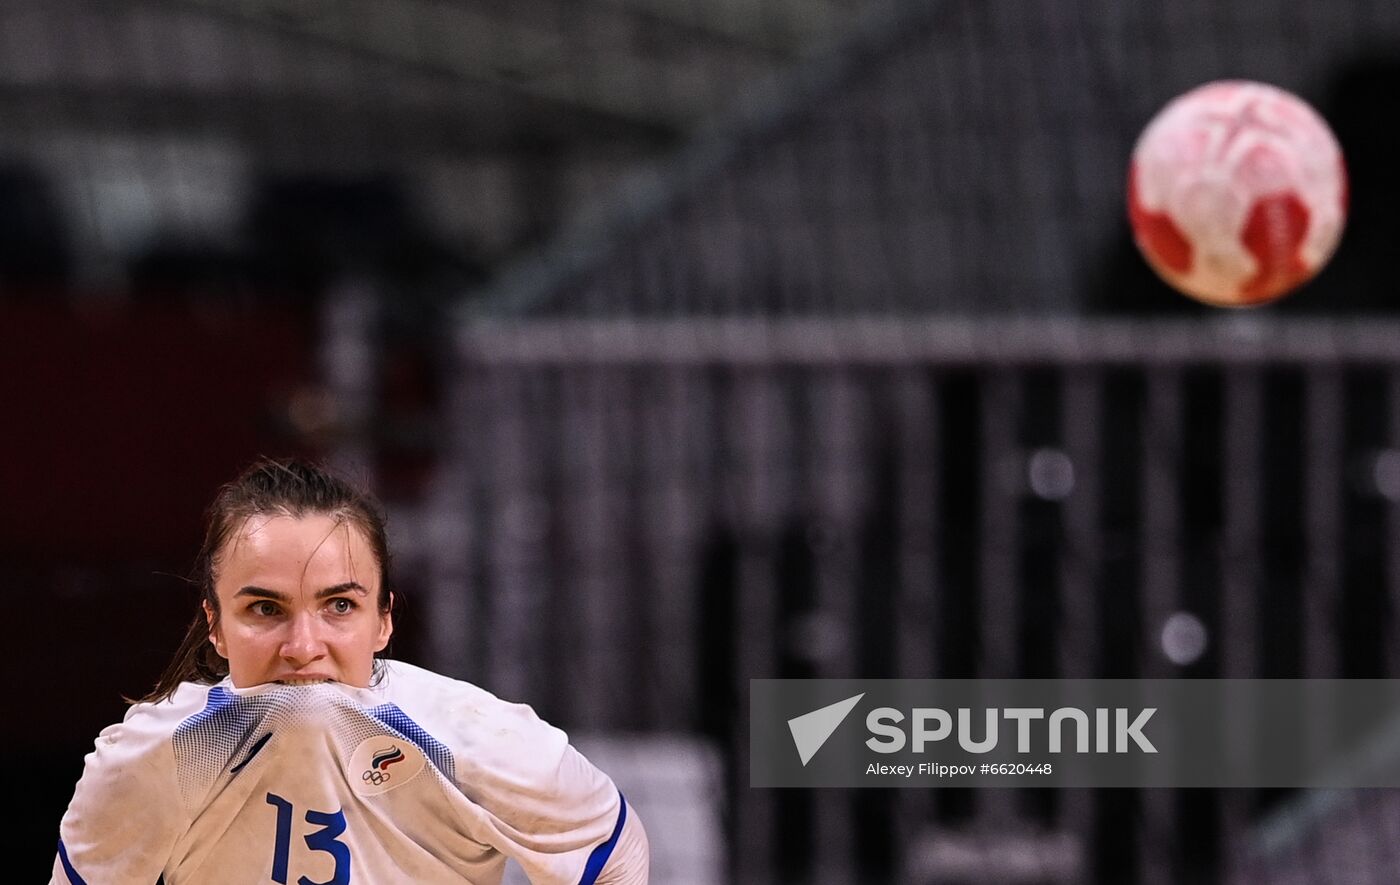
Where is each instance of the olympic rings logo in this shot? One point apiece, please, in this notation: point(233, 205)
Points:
point(375, 777)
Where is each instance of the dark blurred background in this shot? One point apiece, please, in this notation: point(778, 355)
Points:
point(695, 341)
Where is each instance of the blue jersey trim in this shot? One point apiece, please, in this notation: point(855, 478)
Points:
point(599, 858)
point(216, 702)
point(206, 743)
point(435, 750)
point(68, 870)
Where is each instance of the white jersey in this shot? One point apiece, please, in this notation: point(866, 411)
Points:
point(418, 779)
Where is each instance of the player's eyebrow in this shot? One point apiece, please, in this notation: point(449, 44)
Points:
point(334, 590)
point(338, 589)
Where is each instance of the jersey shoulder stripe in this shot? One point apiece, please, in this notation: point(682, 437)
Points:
point(599, 856)
point(72, 874)
point(207, 742)
point(436, 751)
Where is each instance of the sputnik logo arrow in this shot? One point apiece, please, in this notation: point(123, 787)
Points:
point(810, 730)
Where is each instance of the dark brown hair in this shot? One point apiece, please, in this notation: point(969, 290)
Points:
point(292, 488)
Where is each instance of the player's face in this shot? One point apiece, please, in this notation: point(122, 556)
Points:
point(298, 603)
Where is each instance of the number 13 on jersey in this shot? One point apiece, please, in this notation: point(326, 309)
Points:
point(331, 823)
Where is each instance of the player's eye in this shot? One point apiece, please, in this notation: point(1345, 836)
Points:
point(264, 608)
point(342, 606)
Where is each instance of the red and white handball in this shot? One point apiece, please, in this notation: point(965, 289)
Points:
point(1237, 193)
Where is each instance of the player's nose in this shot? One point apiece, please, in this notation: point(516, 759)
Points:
point(303, 643)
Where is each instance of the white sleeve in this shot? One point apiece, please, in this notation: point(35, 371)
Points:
point(629, 861)
point(126, 813)
point(548, 807)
